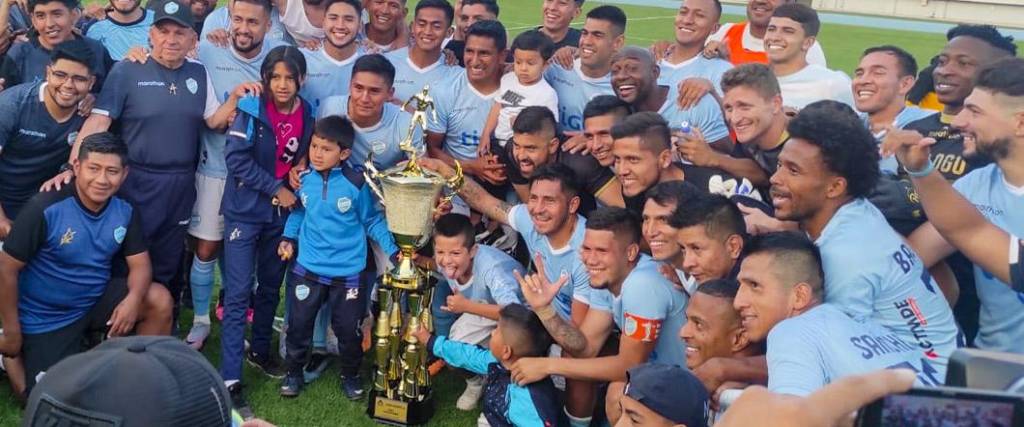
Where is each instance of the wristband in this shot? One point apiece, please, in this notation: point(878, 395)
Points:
point(921, 173)
point(545, 312)
point(64, 168)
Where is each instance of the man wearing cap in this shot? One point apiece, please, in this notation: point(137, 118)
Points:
point(660, 395)
point(166, 99)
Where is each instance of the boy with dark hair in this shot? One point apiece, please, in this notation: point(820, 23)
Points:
point(523, 87)
point(519, 334)
point(335, 215)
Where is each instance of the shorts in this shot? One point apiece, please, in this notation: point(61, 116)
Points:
point(207, 223)
point(43, 350)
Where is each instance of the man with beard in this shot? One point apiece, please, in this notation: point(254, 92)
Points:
point(469, 13)
point(628, 293)
point(218, 23)
point(556, 16)
point(792, 31)
point(422, 63)
point(603, 34)
point(330, 67)
point(38, 124)
point(127, 25)
point(386, 30)
point(635, 81)
point(53, 22)
point(880, 85)
point(826, 171)
point(233, 71)
point(743, 42)
point(991, 117)
point(969, 50)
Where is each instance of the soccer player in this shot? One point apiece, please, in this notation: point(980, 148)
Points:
point(635, 81)
point(556, 16)
point(969, 49)
point(792, 31)
point(422, 63)
point(56, 273)
point(380, 126)
point(462, 107)
point(53, 22)
point(127, 25)
point(694, 23)
point(480, 283)
point(267, 137)
point(712, 233)
point(714, 328)
point(233, 71)
point(825, 172)
point(628, 293)
point(218, 23)
point(536, 143)
point(811, 342)
point(38, 124)
point(601, 113)
point(663, 200)
point(880, 85)
point(330, 67)
point(590, 76)
point(385, 30)
point(989, 117)
point(470, 12)
point(743, 42)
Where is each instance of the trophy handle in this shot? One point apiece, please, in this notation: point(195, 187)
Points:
point(454, 184)
point(371, 174)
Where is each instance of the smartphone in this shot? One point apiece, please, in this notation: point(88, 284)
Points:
point(941, 406)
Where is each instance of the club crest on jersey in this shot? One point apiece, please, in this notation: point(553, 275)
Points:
point(302, 292)
point(71, 138)
point(191, 84)
point(344, 204)
point(378, 147)
point(170, 7)
point(119, 233)
point(68, 237)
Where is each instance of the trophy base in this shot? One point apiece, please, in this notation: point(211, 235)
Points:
point(397, 412)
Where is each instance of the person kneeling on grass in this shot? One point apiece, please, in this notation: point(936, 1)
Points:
point(335, 214)
point(519, 334)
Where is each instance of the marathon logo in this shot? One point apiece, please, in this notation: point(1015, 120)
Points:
point(911, 314)
point(145, 84)
point(34, 133)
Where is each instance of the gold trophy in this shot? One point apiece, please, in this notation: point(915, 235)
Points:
point(401, 392)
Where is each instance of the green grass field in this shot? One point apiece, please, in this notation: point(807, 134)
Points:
point(323, 405)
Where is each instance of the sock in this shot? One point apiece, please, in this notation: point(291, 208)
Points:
point(201, 278)
point(576, 421)
point(204, 319)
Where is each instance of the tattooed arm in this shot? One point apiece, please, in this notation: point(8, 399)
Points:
point(583, 342)
point(472, 193)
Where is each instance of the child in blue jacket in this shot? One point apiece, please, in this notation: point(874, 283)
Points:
point(335, 214)
point(519, 334)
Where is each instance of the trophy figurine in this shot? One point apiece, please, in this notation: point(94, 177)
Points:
point(402, 392)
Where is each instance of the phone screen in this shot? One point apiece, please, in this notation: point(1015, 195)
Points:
point(914, 410)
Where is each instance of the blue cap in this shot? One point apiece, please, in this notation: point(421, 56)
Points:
point(670, 391)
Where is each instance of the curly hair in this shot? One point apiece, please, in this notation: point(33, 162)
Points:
point(986, 33)
point(846, 144)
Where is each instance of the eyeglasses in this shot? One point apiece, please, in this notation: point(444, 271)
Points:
point(60, 77)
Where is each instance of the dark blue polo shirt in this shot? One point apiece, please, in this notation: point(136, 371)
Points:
point(33, 145)
point(68, 251)
point(31, 59)
point(160, 125)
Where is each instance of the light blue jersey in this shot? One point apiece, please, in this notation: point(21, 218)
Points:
point(557, 262)
point(706, 115)
point(227, 70)
point(696, 67)
point(382, 138)
point(325, 76)
point(648, 308)
point(118, 38)
point(461, 116)
point(820, 346)
point(908, 115)
point(575, 90)
point(410, 79)
point(1001, 322)
point(219, 19)
point(872, 274)
point(492, 281)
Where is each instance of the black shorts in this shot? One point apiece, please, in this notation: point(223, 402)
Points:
point(41, 351)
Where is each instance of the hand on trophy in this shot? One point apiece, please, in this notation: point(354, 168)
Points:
point(421, 333)
point(537, 289)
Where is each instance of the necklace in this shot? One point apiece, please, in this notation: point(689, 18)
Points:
point(172, 87)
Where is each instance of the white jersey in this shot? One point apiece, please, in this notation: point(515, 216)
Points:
point(814, 56)
point(815, 83)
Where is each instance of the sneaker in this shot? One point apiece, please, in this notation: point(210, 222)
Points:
point(238, 402)
point(318, 363)
point(291, 386)
point(353, 387)
point(197, 335)
point(268, 365)
point(469, 398)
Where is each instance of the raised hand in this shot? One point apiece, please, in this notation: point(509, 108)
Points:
point(537, 289)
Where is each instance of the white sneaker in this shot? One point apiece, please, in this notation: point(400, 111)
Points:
point(469, 398)
point(197, 336)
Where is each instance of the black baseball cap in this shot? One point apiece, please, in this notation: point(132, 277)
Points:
point(131, 381)
point(174, 10)
point(670, 391)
